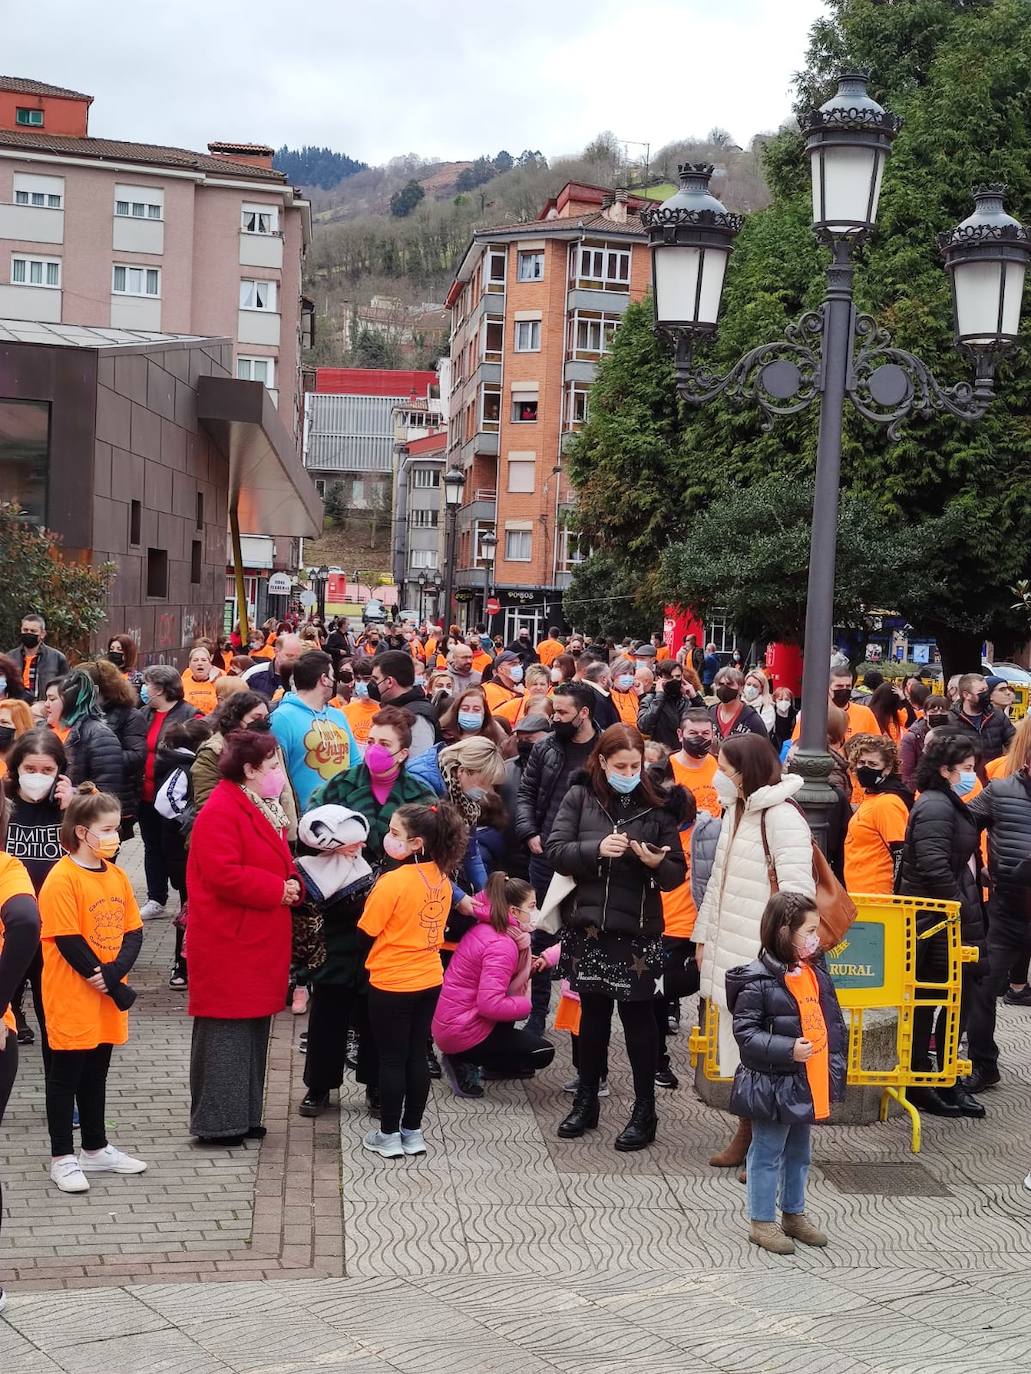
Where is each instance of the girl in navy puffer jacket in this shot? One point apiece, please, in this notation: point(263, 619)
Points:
point(791, 1035)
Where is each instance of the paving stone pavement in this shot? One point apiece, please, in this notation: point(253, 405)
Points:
point(505, 1248)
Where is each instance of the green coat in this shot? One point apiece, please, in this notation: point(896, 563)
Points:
point(353, 789)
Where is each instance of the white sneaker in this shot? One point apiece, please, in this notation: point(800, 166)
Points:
point(65, 1172)
point(389, 1146)
point(110, 1160)
point(412, 1142)
point(574, 1083)
point(1027, 1183)
point(152, 911)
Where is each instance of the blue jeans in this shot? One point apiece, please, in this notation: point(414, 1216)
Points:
point(778, 1156)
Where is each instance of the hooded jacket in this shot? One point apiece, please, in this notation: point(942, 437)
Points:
point(543, 784)
point(941, 839)
point(992, 728)
point(618, 895)
point(315, 744)
point(475, 996)
point(95, 755)
point(129, 725)
point(1004, 809)
point(425, 731)
point(739, 888)
point(770, 1085)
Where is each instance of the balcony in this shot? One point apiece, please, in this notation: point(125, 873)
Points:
point(575, 371)
point(31, 224)
point(482, 507)
point(261, 250)
point(481, 442)
point(605, 302)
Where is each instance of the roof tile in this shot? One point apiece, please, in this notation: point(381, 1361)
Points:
point(136, 152)
point(22, 85)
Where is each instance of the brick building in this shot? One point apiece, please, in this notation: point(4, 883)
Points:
point(533, 307)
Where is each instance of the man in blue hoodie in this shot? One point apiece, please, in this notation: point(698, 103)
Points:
point(315, 737)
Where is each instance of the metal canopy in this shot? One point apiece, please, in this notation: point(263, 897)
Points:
point(268, 486)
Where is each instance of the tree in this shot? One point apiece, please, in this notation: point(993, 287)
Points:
point(72, 596)
point(311, 166)
point(336, 504)
point(504, 162)
point(372, 348)
point(404, 201)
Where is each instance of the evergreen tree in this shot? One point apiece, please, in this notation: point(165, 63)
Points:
point(311, 166)
point(404, 201)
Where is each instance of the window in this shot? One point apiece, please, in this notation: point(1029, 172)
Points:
point(25, 456)
point(138, 209)
point(157, 572)
point(139, 202)
point(528, 336)
point(136, 281)
point(531, 267)
point(571, 550)
point(195, 560)
point(42, 192)
point(522, 474)
point(33, 118)
point(35, 271)
point(603, 268)
point(257, 295)
point(200, 510)
point(576, 407)
point(259, 219)
point(497, 259)
point(481, 528)
point(524, 410)
point(518, 546)
point(426, 477)
point(135, 521)
point(423, 558)
point(424, 519)
point(492, 337)
point(320, 486)
point(257, 370)
point(591, 335)
point(490, 407)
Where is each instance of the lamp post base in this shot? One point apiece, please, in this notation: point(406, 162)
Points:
point(817, 798)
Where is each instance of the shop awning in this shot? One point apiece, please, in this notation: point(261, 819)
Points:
point(268, 484)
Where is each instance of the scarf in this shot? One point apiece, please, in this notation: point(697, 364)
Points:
point(269, 808)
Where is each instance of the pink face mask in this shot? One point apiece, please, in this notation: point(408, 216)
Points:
point(271, 784)
point(380, 760)
point(397, 849)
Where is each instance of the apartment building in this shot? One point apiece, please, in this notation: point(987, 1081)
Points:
point(534, 307)
point(131, 236)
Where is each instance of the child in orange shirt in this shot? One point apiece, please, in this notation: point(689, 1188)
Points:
point(92, 936)
point(791, 1034)
point(405, 913)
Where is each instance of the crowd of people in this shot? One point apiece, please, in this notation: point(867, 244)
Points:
point(410, 834)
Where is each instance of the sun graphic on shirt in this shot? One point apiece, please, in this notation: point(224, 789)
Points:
point(327, 750)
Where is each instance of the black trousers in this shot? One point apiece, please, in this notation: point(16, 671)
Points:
point(8, 1073)
point(932, 965)
point(155, 856)
point(638, 1020)
point(541, 874)
point(401, 1027)
point(680, 978)
point(77, 1076)
point(1007, 945)
point(34, 980)
point(509, 1051)
point(332, 1012)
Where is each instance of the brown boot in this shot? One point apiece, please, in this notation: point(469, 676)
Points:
point(768, 1236)
point(798, 1225)
point(734, 1154)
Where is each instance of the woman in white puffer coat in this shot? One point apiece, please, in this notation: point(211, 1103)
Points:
point(750, 784)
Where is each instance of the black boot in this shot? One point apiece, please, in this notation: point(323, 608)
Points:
point(929, 1101)
point(583, 1117)
point(640, 1129)
point(958, 1096)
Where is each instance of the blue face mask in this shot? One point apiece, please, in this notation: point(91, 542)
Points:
point(624, 682)
point(144, 694)
point(515, 672)
point(965, 784)
point(619, 782)
point(470, 720)
point(361, 690)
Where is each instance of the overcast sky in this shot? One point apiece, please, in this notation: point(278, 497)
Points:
point(376, 79)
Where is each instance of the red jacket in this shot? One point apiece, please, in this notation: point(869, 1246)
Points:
point(239, 929)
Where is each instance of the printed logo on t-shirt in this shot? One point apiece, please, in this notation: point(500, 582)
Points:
point(106, 918)
point(327, 750)
point(40, 843)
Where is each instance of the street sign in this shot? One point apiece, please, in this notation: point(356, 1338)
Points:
point(279, 584)
point(493, 605)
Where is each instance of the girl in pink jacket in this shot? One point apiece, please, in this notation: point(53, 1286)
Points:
point(487, 989)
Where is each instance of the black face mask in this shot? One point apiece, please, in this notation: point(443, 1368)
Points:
point(346, 679)
point(868, 777)
point(564, 730)
point(286, 677)
point(726, 694)
point(673, 688)
point(29, 641)
point(937, 718)
point(373, 689)
point(6, 737)
point(696, 746)
point(263, 723)
point(525, 747)
point(841, 696)
point(983, 702)
point(116, 657)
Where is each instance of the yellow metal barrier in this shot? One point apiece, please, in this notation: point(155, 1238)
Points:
point(1020, 701)
point(874, 968)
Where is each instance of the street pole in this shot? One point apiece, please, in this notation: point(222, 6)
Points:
point(449, 580)
point(812, 760)
point(488, 577)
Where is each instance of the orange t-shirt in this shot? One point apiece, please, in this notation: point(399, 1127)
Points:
point(99, 905)
point(548, 650)
point(481, 661)
point(62, 731)
point(26, 672)
point(679, 912)
point(994, 769)
point(359, 712)
point(405, 913)
point(698, 781)
point(201, 695)
point(661, 653)
point(498, 695)
point(804, 988)
point(880, 821)
point(265, 652)
point(628, 704)
point(861, 721)
point(14, 882)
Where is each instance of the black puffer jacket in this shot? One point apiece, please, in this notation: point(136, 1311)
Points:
point(941, 839)
point(1004, 809)
point(661, 713)
point(620, 895)
point(541, 787)
point(130, 726)
point(770, 1084)
point(94, 755)
point(993, 729)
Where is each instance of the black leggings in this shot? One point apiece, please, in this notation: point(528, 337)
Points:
point(77, 1076)
point(932, 965)
point(509, 1051)
point(679, 979)
point(34, 980)
point(332, 1012)
point(401, 1027)
point(639, 1031)
point(8, 1073)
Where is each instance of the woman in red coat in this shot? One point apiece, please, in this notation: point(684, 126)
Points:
point(242, 883)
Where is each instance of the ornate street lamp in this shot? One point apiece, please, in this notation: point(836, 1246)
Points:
point(833, 353)
point(488, 551)
point(454, 490)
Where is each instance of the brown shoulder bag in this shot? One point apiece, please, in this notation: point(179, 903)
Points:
point(837, 909)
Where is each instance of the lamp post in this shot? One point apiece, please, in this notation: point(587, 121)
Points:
point(488, 548)
point(454, 489)
point(321, 578)
point(833, 353)
point(422, 580)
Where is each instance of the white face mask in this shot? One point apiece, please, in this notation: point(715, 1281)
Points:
point(725, 789)
point(35, 786)
point(783, 707)
point(750, 693)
